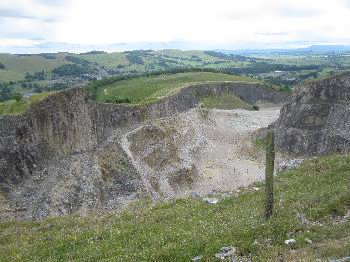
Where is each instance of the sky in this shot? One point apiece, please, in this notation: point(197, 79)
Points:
point(31, 26)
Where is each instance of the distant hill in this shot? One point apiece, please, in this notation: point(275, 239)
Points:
point(311, 50)
point(46, 72)
point(16, 67)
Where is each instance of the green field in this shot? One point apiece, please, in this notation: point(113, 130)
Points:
point(148, 89)
point(182, 229)
point(13, 107)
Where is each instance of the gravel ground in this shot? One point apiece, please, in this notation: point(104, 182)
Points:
point(231, 160)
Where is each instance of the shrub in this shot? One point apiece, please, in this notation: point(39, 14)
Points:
point(256, 108)
point(118, 100)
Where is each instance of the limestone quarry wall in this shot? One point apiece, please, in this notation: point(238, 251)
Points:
point(57, 126)
point(68, 123)
point(108, 117)
point(316, 120)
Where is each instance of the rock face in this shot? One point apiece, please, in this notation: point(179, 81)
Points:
point(67, 154)
point(316, 120)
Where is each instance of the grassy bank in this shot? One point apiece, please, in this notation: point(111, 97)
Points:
point(146, 89)
point(142, 90)
point(181, 229)
point(13, 107)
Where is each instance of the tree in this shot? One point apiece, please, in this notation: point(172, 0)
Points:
point(17, 96)
point(270, 162)
point(5, 92)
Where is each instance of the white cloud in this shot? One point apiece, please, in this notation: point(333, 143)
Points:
point(203, 23)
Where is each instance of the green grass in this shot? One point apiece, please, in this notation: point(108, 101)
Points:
point(181, 229)
point(13, 107)
point(227, 102)
point(148, 89)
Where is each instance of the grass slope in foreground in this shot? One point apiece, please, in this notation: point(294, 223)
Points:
point(13, 107)
point(182, 229)
point(146, 89)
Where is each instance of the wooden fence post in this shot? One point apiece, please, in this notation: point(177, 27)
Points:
point(270, 162)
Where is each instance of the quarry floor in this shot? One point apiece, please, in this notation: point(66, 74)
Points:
point(232, 159)
point(217, 144)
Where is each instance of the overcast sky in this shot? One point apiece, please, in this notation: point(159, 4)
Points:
point(53, 25)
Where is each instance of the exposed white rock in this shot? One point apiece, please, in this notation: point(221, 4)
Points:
point(212, 201)
point(308, 240)
point(197, 258)
point(291, 241)
point(226, 252)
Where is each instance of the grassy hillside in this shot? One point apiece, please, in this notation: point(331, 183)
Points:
point(146, 89)
point(182, 229)
point(158, 60)
point(13, 107)
point(16, 66)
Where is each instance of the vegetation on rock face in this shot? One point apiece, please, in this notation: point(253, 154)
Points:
point(310, 204)
point(226, 101)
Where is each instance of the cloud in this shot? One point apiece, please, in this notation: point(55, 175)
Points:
point(189, 23)
point(22, 21)
point(297, 12)
point(272, 33)
point(52, 2)
point(10, 13)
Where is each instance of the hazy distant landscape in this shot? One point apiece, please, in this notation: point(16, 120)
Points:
point(30, 74)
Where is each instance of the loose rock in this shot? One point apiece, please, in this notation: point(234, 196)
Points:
point(290, 241)
point(197, 258)
point(211, 201)
point(308, 240)
point(344, 259)
point(226, 252)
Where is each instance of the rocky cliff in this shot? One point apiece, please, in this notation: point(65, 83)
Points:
point(316, 120)
point(65, 154)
